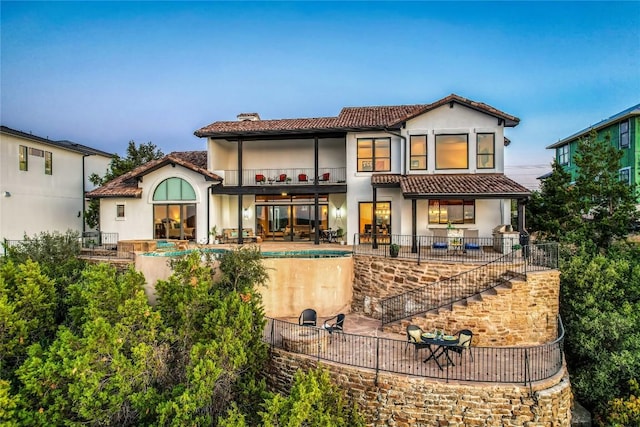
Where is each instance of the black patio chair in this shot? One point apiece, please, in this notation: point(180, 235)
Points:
point(464, 343)
point(335, 324)
point(414, 336)
point(308, 317)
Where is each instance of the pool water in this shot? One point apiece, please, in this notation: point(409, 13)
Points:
point(268, 254)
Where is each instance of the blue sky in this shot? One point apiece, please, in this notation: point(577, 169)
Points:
point(105, 73)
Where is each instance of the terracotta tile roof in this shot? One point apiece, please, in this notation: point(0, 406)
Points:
point(127, 185)
point(350, 118)
point(447, 185)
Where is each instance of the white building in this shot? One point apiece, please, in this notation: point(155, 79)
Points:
point(407, 169)
point(43, 183)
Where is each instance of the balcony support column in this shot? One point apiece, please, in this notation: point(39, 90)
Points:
point(414, 227)
point(316, 206)
point(240, 183)
point(374, 226)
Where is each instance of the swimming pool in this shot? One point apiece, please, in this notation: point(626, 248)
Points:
point(308, 253)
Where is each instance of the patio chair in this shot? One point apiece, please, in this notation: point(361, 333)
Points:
point(464, 343)
point(440, 245)
point(414, 336)
point(335, 324)
point(308, 317)
point(302, 177)
point(282, 177)
point(260, 179)
point(324, 177)
point(472, 245)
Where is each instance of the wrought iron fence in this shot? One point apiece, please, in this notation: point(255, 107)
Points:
point(518, 365)
point(464, 285)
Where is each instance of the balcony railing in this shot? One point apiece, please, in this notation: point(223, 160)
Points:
point(294, 176)
point(516, 365)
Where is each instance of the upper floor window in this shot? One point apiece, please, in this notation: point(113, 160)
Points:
point(418, 145)
point(486, 151)
point(624, 134)
point(452, 151)
point(452, 211)
point(374, 154)
point(48, 163)
point(625, 175)
point(563, 154)
point(120, 212)
point(23, 158)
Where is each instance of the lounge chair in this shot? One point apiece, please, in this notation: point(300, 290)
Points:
point(472, 245)
point(308, 317)
point(440, 244)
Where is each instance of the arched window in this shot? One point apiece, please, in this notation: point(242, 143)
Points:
point(174, 189)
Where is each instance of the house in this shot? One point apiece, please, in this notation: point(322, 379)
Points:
point(623, 130)
point(408, 169)
point(43, 183)
point(165, 198)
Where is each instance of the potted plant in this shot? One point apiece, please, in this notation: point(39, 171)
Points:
point(340, 235)
point(214, 234)
point(394, 250)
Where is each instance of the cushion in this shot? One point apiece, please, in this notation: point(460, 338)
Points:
point(440, 245)
point(471, 246)
point(245, 233)
point(234, 234)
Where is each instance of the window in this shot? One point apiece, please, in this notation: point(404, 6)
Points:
point(625, 175)
point(418, 147)
point(374, 155)
point(624, 134)
point(23, 158)
point(383, 218)
point(174, 189)
point(485, 157)
point(119, 211)
point(563, 154)
point(48, 163)
point(452, 211)
point(452, 151)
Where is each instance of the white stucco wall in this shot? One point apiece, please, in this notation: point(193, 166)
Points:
point(138, 221)
point(41, 202)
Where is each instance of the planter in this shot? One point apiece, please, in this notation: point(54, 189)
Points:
point(394, 250)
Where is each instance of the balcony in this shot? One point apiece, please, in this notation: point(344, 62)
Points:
point(285, 176)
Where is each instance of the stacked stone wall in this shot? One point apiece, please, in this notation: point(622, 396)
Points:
point(404, 401)
point(524, 314)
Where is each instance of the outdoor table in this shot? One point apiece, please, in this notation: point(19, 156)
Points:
point(329, 235)
point(439, 347)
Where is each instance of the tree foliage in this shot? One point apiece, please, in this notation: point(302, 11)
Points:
point(597, 207)
point(136, 156)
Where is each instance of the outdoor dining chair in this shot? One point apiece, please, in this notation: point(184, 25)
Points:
point(335, 324)
point(414, 336)
point(464, 343)
point(308, 317)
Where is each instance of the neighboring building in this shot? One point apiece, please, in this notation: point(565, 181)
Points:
point(164, 198)
point(43, 182)
point(407, 169)
point(623, 130)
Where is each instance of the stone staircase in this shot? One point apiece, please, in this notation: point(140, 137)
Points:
point(433, 318)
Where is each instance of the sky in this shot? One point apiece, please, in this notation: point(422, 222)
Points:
point(106, 73)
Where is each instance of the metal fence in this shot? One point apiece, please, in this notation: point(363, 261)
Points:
point(464, 285)
point(518, 365)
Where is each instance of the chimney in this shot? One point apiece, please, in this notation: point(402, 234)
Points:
point(243, 117)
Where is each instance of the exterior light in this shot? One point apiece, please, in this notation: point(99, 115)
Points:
point(338, 213)
point(245, 213)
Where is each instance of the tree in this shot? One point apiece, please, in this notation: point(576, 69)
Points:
point(599, 195)
point(313, 401)
point(136, 156)
point(549, 211)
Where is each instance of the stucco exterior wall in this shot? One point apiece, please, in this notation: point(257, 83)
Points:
point(41, 202)
point(138, 222)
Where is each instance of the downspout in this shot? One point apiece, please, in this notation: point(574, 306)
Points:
point(404, 149)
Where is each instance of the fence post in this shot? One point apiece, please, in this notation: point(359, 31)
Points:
point(375, 382)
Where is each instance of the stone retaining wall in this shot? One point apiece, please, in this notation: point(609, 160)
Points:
point(404, 401)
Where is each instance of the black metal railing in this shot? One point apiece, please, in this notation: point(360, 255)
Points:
point(419, 248)
point(516, 365)
point(469, 283)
